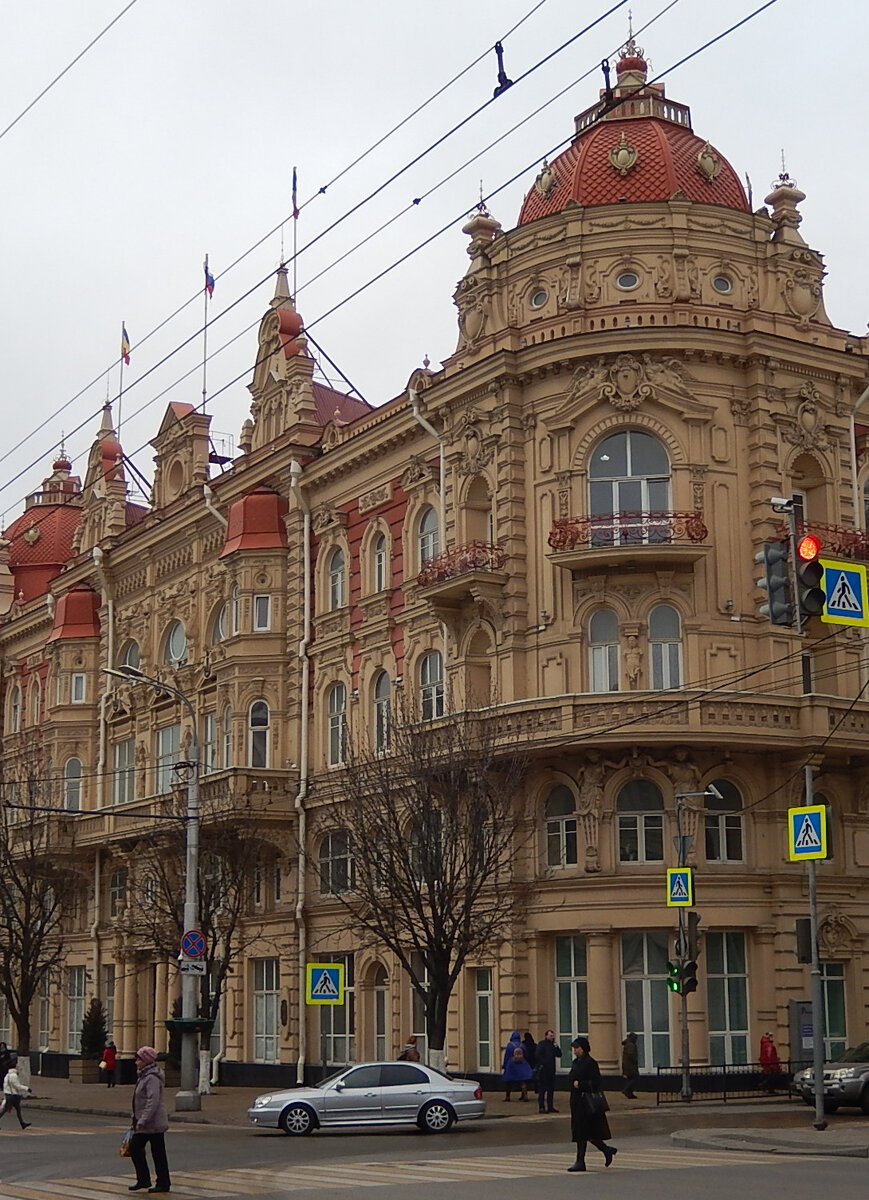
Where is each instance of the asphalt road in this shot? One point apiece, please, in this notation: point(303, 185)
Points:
point(70, 1157)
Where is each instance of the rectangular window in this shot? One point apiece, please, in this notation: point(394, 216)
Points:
point(833, 984)
point(76, 983)
point(485, 1002)
point(641, 837)
point(723, 837)
point(209, 743)
point(277, 882)
point(727, 998)
point(118, 892)
point(417, 1004)
point(605, 668)
point(124, 771)
point(666, 665)
point(262, 613)
point(168, 753)
point(571, 991)
point(109, 997)
point(338, 1021)
point(266, 1009)
point(5, 1024)
point(44, 1014)
point(645, 996)
point(78, 686)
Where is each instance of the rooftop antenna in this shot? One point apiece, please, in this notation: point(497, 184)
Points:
point(750, 192)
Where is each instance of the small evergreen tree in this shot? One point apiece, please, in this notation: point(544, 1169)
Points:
point(93, 1030)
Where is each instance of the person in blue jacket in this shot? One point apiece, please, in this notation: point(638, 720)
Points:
point(517, 1069)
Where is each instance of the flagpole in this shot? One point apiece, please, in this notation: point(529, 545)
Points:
point(121, 384)
point(295, 234)
point(205, 339)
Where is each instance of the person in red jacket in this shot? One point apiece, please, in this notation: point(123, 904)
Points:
point(110, 1058)
point(769, 1062)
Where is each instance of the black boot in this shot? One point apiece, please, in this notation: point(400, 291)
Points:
point(579, 1165)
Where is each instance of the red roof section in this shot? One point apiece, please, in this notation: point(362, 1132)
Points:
point(76, 615)
point(36, 560)
point(255, 522)
point(328, 401)
point(666, 163)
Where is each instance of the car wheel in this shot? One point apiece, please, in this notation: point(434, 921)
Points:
point(298, 1120)
point(436, 1117)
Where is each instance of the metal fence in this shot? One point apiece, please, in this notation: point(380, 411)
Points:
point(730, 1081)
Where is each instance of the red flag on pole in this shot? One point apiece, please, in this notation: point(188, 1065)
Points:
point(295, 197)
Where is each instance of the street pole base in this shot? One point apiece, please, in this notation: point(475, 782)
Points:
point(819, 1125)
point(188, 1101)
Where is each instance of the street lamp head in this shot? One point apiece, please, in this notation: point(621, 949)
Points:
point(127, 672)
point(712, 790)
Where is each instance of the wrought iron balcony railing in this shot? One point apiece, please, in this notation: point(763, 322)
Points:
point(462, 560)
point(836, 540)
point(628, 529)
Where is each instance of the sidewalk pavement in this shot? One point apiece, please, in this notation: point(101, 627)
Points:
point(837, 1141)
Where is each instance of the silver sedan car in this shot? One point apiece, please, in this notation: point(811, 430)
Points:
point(387, 1093)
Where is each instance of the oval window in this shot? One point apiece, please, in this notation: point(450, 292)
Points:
point(176, 644)
point(539, 298)
point(722, 284)
point(628, 280)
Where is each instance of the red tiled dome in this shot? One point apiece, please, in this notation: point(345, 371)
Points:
point(41, 546)
point(76, 615)
point(255, 522)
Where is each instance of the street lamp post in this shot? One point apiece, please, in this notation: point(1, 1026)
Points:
point(187, 1099)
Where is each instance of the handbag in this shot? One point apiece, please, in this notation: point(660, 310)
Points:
point(594, 1103)
point(102, 1065)
point(124, 1149)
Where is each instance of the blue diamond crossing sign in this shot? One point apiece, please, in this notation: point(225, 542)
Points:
point(324, 983)
point(807, 832)
point(680, 887)
point(845, 587)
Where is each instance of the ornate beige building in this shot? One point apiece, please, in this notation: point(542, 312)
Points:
point(564, 517)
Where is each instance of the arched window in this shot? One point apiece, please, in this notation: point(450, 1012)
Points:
point(428, 541)
point(665, 647)
point(234, 626)
point(381, 712)
point(337, 580)
point(479, 522)
point(640, 808)
point(380, 987)
point(379, 561)
point(336, 863)
point(431, 685)
point(220, 624)
point(34, 701)
point(629, 482)
point(603, 641)
point(72, 784)
point(336, 704)
point(227, 737)
point(130, 656)
point(724, 823)
point(175, 646)
point(15, 709)
point(560, 828)
point(258, 734)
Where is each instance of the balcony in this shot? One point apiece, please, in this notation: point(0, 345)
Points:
point(652, 538)
point(474, 570)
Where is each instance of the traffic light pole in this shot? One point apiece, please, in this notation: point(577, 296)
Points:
point(817, 990)
point(683, 945)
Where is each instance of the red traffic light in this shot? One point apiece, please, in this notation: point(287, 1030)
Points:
point(808, 547)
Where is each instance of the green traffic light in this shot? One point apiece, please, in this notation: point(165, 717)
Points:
point(674, 972)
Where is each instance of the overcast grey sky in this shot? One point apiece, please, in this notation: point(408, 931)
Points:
point(177, 135)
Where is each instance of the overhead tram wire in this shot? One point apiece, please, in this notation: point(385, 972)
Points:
point(421, 245)
point(272, 232)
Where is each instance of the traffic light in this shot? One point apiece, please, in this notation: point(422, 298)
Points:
point(776, 582)
point(688, 978)
point(674, 975)
point(811, 597)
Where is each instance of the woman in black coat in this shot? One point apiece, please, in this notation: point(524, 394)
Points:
point(585, 1127)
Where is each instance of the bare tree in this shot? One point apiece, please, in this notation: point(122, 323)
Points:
point(435, 828)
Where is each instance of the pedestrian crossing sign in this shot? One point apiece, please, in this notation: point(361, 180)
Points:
point(680, 887)
point(845, 588)
point(324, 983)
point(807, 832)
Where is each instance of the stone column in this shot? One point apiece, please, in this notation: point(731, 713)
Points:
point(129, 1030)
point(602, 997)
point(162, 1005)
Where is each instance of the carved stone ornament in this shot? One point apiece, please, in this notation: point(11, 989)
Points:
point(802, 294)
point(546, 180)
point(623, 156)
point(327, 517)
point(836, 934)
point(417, 472)
point(31, 535)
point(806, 430)
point(626, 382)
point(708, 163)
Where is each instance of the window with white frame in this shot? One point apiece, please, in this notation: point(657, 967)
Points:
point(338, 1021)
point(76, 983)
point(427, 536)
point(109, 997)
point(337, 580)
point(603, 646)
point(14, 723)
point(221, 623)
point(209, 743)
point(78, 687)
point(262, 613)
point(72, 784)
point(130, 656)
point(258, 734)
point(226, 737)
point(645, 995)
point(665, 647)
point(118, 881)
point(381, 712)
point(484, 1012)
point(380, 988)
point(833, 988)
point(336, 733)
point(431, 685)
point(336, 863)
point(418, 1004)
point(561, 827)
point(34, 701)
point(124, 771)
point(45, 997)
point(640, 809)
point(629, 487)
point(5, 1023)
point(266, 1009)
point(168, 747)
point(379, 562)
point(723, 823)
point(571, 990)
point(234, 625)
point(727, 997)
point(175, 645)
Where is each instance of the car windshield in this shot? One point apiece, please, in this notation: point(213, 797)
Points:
point(856, 1054)
point(324, 1083)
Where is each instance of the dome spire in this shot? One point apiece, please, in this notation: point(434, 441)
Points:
point(632, 67)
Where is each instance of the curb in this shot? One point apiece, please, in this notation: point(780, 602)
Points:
point(179, 1118)
point(688, 1139)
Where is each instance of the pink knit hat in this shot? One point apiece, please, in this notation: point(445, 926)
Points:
point(146, 1054)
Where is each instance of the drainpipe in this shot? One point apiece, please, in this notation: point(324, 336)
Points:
point(105, 584)
point(301, 794)
point(209, 504)
point(442, 514)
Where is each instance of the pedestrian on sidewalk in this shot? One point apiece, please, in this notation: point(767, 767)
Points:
point(410, 1053)
point(13, 1090)
point(517, 1069)
point(110, 1058)
point(150, 1122)
point(588, 1122)
point(548, 1053)
point(769, 1062)
point(630, 1065)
